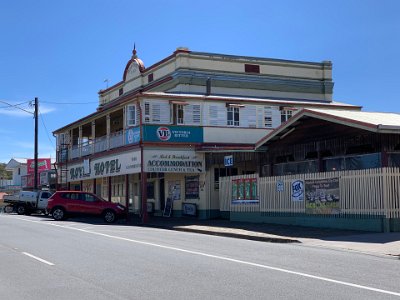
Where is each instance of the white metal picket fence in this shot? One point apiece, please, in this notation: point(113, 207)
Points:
point(362, 192)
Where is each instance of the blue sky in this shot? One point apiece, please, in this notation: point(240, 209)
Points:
point(61, 51)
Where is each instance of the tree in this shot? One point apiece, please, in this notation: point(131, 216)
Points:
point(6, 175)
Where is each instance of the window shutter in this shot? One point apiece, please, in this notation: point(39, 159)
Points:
point(147, 116)
point(217, 115)
point(276, 117)
point(267, 120)
point(260, 117)
point(192, 114)
point(248, 117)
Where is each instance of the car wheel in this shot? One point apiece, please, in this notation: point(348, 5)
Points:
point(58, 214)
point(109, 216)
point(8, 209)
point(21, 209)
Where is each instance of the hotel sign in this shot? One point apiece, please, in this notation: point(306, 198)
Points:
point(121, 164)
point(167, 161)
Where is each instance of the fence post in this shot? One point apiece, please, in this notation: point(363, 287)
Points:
point(385, 221)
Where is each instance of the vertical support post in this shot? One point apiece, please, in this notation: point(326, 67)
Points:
point(109, 188)
point(93, 136)
point(35, 184)
point(127, 196)
point(143, 174)
point(94, 186)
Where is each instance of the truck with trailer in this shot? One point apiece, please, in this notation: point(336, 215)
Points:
point(27, 202)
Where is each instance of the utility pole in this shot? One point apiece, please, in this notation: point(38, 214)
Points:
point(35, 185)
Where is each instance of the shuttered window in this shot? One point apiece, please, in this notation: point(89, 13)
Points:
point(157, 111)
point(272, 117)
point(192, 114)
point(217, 115)
point(248, 116)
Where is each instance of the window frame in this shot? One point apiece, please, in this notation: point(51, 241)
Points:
point(131, 113)
point(233, 116)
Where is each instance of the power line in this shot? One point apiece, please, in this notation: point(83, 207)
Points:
point(13, 105)
point(17, 106)
point(47, 131)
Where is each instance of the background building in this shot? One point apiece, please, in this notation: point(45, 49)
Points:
point(18, 167)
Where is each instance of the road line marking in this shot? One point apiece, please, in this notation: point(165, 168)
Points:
point(38, 258)
point(363, 287)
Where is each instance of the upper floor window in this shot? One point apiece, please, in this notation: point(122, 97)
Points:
point(232, 116)
point(248, 68)
point(157, 112)
point(286, 114)
point(185, 113)
point(179, 114)
point(131, 115)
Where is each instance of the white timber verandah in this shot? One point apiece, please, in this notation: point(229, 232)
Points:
point(370, 192)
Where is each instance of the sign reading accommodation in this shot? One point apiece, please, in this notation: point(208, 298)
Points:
point(178, 161)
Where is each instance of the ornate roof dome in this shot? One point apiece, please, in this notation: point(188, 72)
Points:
point(134, 67)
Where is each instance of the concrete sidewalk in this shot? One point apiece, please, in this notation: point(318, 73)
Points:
point(387, 244)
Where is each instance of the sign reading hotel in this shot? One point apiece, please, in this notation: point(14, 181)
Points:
point(173, 134)
point(126, 163)
point(44, 164)
point(174, 161)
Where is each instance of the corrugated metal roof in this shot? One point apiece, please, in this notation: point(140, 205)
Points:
point(373, 118)
point(379, 122)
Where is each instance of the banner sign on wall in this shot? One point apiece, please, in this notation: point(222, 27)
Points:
point(173, 134)
point(121, 164)
point(244, 191)
point(169, 161)
point(44, 164)
point(322, 196)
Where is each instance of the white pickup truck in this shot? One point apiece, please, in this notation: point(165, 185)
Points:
point(27, 202)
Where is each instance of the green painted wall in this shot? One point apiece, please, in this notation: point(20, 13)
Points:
point(364, 223)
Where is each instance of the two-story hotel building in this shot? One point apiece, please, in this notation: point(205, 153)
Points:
point(159, 137)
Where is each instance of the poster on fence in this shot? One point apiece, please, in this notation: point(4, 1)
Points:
point(322, 196)
point(297, 190)
point(244, 191)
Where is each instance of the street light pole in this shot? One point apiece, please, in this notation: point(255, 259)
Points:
point(35, 185)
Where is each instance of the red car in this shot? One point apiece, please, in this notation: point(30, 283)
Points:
point(65, 203)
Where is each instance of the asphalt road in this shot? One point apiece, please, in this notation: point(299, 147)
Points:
point(44, 259)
